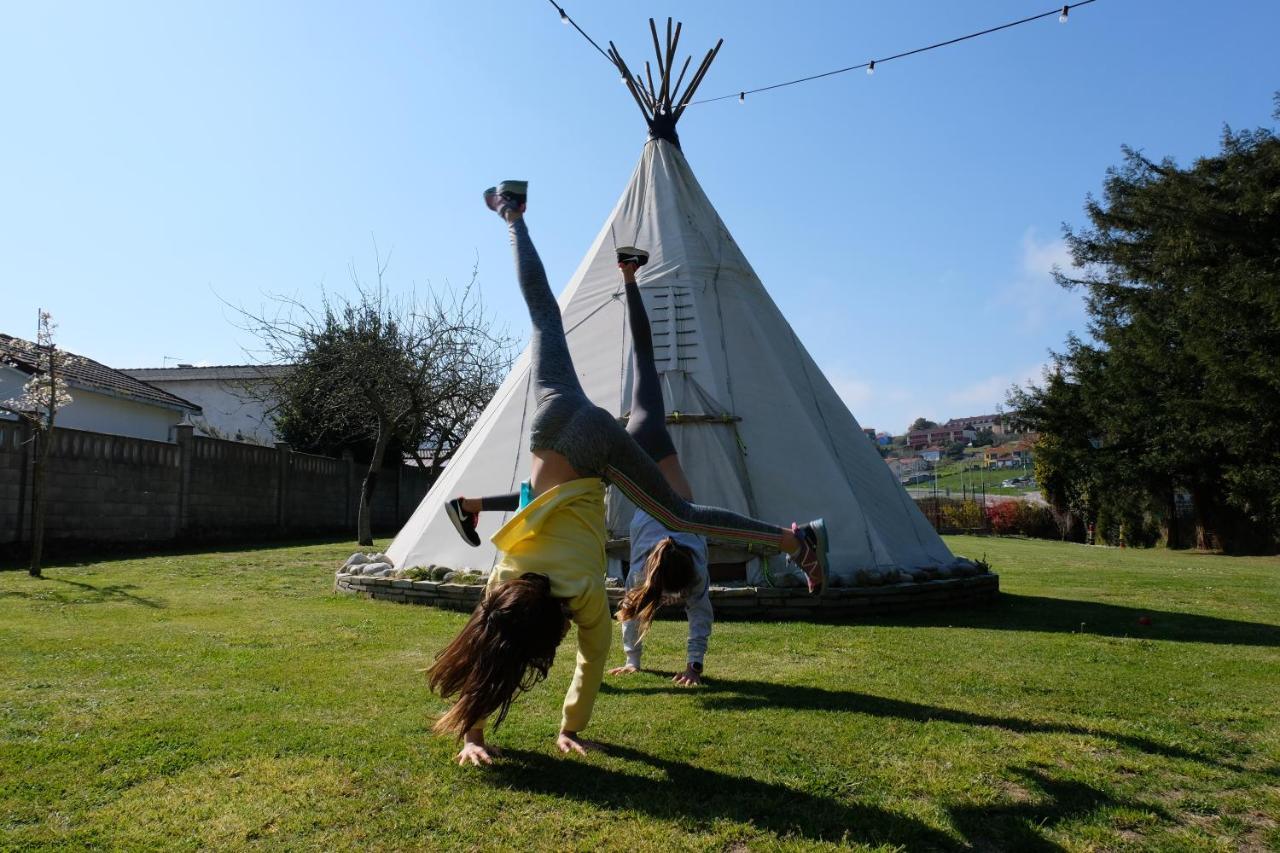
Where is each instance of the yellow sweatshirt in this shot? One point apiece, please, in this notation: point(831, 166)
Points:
point(561, 534)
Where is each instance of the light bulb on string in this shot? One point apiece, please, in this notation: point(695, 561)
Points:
point(1062, 19)
point(871, 67)
point(564, 16)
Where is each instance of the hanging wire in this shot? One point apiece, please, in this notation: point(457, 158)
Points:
point(1060, 11)
point(566, 18)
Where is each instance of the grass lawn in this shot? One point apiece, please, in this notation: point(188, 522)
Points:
point(951, 477)
point(228, 699)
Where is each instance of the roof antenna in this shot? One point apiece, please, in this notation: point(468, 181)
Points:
point(661, 102)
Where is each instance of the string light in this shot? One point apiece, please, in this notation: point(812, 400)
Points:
point(869, 66)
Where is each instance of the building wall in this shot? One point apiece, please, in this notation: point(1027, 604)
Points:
point(229, 408)
point(103, 413)
point(106, 488)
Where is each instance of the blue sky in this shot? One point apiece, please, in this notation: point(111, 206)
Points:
point(160, 159)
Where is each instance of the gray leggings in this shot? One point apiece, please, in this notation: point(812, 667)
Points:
point(568, 423)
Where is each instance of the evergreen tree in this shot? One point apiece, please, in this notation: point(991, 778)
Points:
point(1179, 388)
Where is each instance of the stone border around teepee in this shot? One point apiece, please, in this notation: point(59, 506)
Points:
point(728, 602)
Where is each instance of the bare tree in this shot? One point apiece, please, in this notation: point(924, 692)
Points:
point(412, 371)
point(42, 396)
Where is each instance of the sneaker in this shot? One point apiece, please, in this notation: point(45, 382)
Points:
point(812, 558)
point(464, 522)
point(508, 194)
point(630, 254)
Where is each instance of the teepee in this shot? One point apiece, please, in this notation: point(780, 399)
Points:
point(757, 425)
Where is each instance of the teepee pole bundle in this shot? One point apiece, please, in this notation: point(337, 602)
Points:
point(660, 102)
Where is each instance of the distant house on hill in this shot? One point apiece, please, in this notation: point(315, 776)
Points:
point(996, 423)
point(236, 399)
point(1013, 454)
point(103, 399)
point(919, 439)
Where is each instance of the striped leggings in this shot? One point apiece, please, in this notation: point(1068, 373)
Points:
point(568, 423)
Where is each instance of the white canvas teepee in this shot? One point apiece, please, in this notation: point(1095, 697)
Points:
point(758, 427)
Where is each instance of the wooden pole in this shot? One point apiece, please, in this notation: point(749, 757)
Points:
point(675, 90)
point(631, 86)
point(697, 79)
point(672, 44)
point(697, 74)
point(657, 49)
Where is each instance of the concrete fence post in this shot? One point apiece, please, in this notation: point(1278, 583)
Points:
point(184, 435)
point(283, 459)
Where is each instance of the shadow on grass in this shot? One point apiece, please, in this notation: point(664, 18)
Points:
point(1068, 616)
point(71, 554)
point(1018, 825)
point(726, 694)
point(703, 797)
point(87, 594)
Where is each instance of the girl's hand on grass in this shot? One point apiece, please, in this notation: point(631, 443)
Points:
point(624, 670)
point(570, 742)
point(475, 750)
point(689, 678)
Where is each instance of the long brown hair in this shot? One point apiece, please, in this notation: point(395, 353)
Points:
point(507, 647)
point(668, 570)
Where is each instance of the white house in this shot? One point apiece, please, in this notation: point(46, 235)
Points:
point(103, 399)
point(236, 400)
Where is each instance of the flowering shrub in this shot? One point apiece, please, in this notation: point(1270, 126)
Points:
point(963, 515)
point(1003, 518)
point(1022, 518)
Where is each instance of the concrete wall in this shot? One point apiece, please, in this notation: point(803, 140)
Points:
point(103, 413)
point(109, 488)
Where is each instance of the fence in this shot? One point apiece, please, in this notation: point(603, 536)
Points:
point(111, 488)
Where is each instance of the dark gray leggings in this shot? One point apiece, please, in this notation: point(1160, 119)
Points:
point(568, 423)
point(647, 421)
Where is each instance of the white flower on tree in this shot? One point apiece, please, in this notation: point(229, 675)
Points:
point(42, 396)
point(39, 395)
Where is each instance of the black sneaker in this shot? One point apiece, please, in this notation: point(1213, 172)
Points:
point(812, 558)
point(508, 194)
point(464, 522)
point(632, 255)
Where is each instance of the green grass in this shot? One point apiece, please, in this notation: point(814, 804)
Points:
point(230, 700)
point(951, 477)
